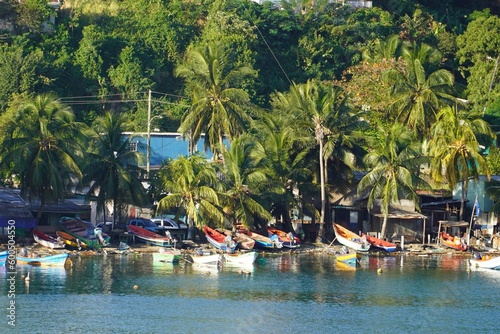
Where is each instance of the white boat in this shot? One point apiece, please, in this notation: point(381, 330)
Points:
point(350, 239)
point(208, 260)
point(167, 256)
point(240, 259)
point(47, 241)
point(486, 262)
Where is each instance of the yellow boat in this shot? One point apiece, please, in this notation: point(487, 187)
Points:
point(70, 240)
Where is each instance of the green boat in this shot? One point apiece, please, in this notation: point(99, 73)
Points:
point(86, 232)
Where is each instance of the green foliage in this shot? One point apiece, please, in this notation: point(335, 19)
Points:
point(493, 161)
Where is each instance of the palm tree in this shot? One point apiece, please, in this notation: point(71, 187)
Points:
point(244, 176)
point(219, 104)
point(191, 184)
point(42, 148)
point(110, 165)
point(456, 150)
point(393, 170)
point(313, 105)
point(416, 94)
point(284, 165)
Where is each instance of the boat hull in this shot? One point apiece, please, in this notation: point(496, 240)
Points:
point(70, 240)
point(47, 241)
point(240, 259)
point(486, 263)
point(380, 244)
point(51, 260)
point(166, 257)
point(208, 260)
point(350, 258)
point(217, 240)
point(350, 239)
point(149, 237)
point(452, 242)
point(287, 240)
point(85, 231)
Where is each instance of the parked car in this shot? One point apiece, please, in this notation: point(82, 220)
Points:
point(148, 225)
point(169, 223)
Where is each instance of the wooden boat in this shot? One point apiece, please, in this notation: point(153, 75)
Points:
point(486, 262)
point(70, 240)
point(287, 239)
point(167, 255)
point(208, 260)
point(92, 236)
point(380, 244)
point(47, 240)
point(3, 257)
point(351, 258)
point(452, 242)
point(49, 260)
point(149, 237)
point(242, 240)
point(263, 242)
point(219, 240)
point(350, 239)
point(240, 259)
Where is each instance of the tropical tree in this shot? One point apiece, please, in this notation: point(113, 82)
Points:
point(191, 184)
point(41, 147)
point(312, 105)
point(420, 91)
point(455, 149)
point(110, 167)
point(244, 179)
point(219, 106)
point(393, 164)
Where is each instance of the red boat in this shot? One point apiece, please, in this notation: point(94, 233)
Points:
point(381, 244)
point(453, 242)
point(150, 237)
point(219, 240)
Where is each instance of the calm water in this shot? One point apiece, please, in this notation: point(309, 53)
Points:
point(306, 293)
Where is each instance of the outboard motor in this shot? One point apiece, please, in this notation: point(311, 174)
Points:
point(98, 234)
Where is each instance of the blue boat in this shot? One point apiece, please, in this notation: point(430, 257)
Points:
point(3, 257)
point(50, 260)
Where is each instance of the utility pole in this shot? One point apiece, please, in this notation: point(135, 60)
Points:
point(148, 149)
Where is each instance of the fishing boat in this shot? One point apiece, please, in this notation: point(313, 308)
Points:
point(167, 255)
point(263, 242)
point(287, 239)
point(453, 242)
point(3, 257)
point(70, 240)
point(486, 262)
point(350, 239)
point(49, 260)
point(47, 240)
point(86, 232)
point(380, 244)
point(242, 240)
point(219, 240)
point(149, 237)
point(208, 260)
point(351, 258)
point(243, 259)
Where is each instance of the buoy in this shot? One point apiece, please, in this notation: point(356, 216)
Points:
point(136, 287)
point(379, 271)
point(27, 278)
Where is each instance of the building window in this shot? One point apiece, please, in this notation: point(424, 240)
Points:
point(133, 146)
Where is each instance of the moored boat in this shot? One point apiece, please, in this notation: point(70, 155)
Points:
point(70, 240)
point(242, 240)
point(350, 239)
point(351, 258)
point(263, 242)
point(91, 235)
point(49, 260)
point(453, 242)
point(486, 262)
point(47, 240)
point(219, 240)
point(380, 244)
point(208, 260)
point(287, 239)
point(167, 255)
point(149, 237)
point(3, 257)
point(240, 259)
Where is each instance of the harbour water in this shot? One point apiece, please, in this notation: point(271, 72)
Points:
point(288, 293)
